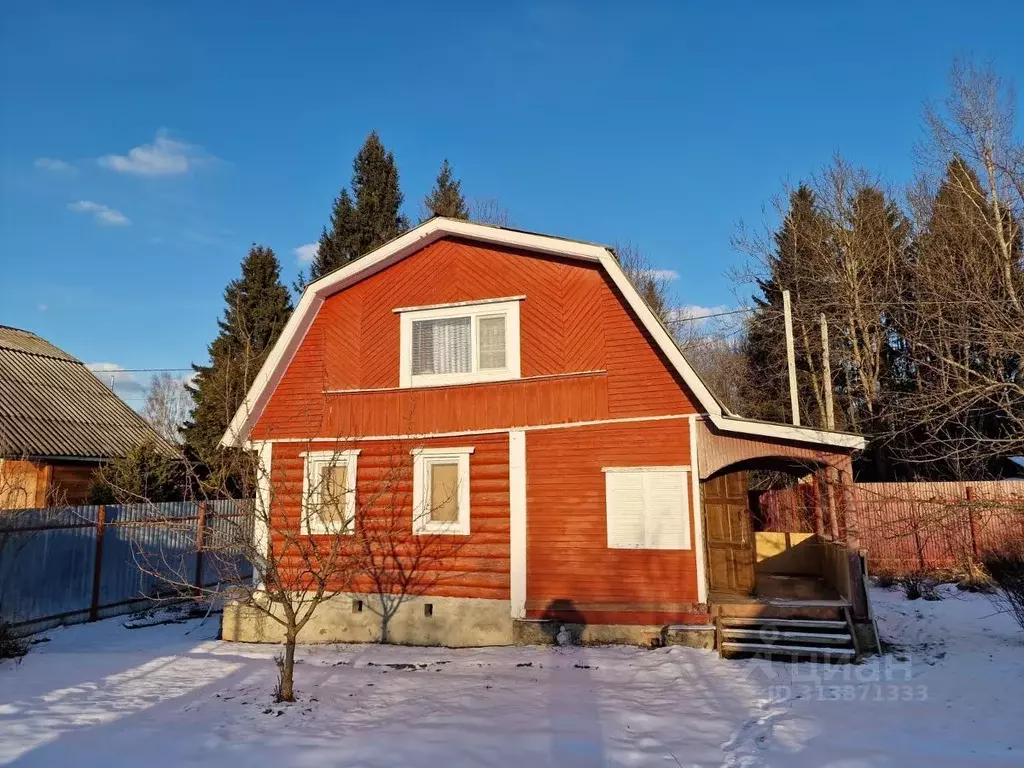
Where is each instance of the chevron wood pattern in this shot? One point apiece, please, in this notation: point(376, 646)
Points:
point(573, 320)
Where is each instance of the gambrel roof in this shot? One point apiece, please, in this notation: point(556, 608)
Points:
point(430, 231)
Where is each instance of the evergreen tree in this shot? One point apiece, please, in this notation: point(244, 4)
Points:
point(962, 336)
point(257, 308)
point(365, 218)
point(796, 244)
point(337, 242)
point(446, 199)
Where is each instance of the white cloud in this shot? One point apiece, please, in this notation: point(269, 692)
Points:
point(164, 157)
point(53, 165)
point(662, 274)
point(43, 307)
point(306, 253)
point(124, 384)
point(104, 214)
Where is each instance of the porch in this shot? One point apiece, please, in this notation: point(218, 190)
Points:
point(782, 585)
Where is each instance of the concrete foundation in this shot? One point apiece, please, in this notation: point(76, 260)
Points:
point(545, 632)
point(452, 622)
point(690, 636)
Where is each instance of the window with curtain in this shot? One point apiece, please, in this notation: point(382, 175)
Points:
point(460, 344)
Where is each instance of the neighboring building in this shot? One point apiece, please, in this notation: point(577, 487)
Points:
point(526, 372)
point(58, 423)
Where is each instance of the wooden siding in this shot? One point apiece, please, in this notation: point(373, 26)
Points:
point(477, 565)
point(572, 320)
point(569, 565)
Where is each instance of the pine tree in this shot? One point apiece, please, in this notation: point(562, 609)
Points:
point(365, 218)
point(446, 199)
point(257, 308)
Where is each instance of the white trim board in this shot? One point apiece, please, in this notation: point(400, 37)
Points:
point(472, 432)
point(433, 230)
point(517, 522)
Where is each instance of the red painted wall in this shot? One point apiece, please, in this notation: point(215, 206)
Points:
point(572, 320)
point(573, 323)
point(567, 554)
point(476, 565)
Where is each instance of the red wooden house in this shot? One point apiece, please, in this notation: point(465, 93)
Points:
point(599, 481)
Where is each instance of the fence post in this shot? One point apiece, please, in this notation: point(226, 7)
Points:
point(200, 535)
point(917, 539)
point(973, 523)
point(97, 567)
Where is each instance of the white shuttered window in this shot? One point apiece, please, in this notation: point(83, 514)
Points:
point(460, 344)
point(648, 507)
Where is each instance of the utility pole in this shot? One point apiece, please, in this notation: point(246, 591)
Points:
point(826, 364)
point(794, 402)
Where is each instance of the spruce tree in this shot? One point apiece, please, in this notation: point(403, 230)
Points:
point(765, 342)
point(257, 307)
point(335, 243)
point(365, 218)
point(446, 199)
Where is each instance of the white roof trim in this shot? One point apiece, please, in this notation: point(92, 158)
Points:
point(418, 238)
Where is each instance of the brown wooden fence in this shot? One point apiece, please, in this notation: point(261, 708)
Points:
point(910, 527)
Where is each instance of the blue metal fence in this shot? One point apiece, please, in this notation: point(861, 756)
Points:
point(82, 563)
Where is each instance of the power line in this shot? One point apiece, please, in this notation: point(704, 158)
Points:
point(708, 317)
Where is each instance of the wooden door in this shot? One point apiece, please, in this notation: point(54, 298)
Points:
point(730, 535)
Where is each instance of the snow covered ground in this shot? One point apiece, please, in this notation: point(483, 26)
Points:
point(951, 693)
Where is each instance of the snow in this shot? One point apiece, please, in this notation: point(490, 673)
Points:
point(949, 693)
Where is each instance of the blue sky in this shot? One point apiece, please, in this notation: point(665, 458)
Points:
point(144, 146)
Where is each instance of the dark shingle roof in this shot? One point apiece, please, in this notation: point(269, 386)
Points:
point(51, 405)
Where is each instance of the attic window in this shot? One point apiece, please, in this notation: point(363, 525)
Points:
point(460, 343)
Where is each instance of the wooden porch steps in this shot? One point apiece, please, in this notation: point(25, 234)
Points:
point(798, 630)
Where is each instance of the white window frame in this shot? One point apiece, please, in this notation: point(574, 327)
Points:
point(423, 460)
point(314, 461)
point(475, 310)
point(683, 471)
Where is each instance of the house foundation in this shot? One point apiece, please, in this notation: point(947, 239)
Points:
point(444, 621)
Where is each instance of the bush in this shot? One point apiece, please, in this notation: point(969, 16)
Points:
point(918, 585)
point(11, 647)
point(1006, 567)
point(886, 579)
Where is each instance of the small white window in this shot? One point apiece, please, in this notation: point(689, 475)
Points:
point(440, 490)
point(459, 343)
point(648, 507)
point(329, 492)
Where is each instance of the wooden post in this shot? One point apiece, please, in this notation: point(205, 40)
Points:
point(826, 375)
point(819, 519)
point(200, 537)
point(850, 508)
point(833, 504)
point(97, 566)
point(972, 522)
point(794, 401)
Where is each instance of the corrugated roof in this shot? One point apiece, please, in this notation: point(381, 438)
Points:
point(51, 405)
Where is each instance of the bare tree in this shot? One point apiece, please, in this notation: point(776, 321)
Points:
point(489, 210)
point(964, 330)
point(397, 566)
point(651, 283)
point(168, 405)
